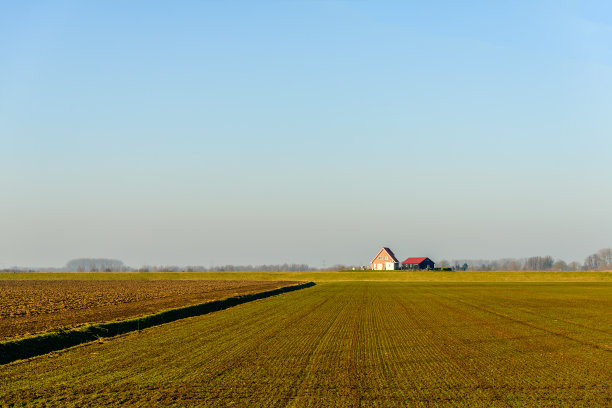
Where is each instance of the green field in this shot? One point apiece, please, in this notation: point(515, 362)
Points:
point(350, 344)
point(396, 276)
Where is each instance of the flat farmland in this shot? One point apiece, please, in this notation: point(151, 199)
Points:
point(320, 276)
point(350, 344)
point(33, 306)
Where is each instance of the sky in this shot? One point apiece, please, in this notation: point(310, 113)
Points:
point(226, 132)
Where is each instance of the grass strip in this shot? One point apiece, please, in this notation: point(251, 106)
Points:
point(368, 275)
point(27, 347)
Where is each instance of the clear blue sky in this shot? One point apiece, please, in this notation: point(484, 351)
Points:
point(309, 132)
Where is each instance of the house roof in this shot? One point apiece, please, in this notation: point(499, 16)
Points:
point(416, 260)
point(388, 251)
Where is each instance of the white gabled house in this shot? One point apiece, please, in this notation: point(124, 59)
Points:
point(385, 260)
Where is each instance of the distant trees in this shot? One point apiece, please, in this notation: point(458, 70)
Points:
point(458, 265)
point(229, 268)
point(592, 262)
point(602, 260)
point(539, 263)
point(606, 256)
point(113, 265)
point(505, 264)
point(559, 265)
point(94, 265)
point(341, 267)
point(263, 268)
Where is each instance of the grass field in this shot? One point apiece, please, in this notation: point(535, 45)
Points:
point(34, 306)
point(396, 276)
point(350, 344)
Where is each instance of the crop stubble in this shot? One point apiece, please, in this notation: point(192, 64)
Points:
point(353, 344)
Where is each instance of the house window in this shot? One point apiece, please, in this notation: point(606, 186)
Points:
point(380, 257)
point(386, 258)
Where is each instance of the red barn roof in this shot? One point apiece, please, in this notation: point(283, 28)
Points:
point(415, 260)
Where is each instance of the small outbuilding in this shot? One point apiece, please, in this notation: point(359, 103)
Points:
point(418, 263)
point(385, 260)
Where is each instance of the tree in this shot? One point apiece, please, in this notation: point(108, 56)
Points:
point(592, 262)
point(559, 266)
point(539, 263)
point(514, 265)
point(574, 266)
point(93, 264)
point(605, 256)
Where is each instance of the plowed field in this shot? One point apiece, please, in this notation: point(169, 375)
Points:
point(32, 306)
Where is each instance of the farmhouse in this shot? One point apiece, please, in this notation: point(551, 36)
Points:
point(418, 263)
point(385, 260)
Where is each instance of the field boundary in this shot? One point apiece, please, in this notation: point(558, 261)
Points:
point(19, 349)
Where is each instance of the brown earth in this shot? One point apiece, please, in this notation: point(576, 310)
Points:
point(29, 307)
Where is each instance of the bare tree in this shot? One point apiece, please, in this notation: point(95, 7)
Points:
point(602, 260)
point(559, 266)
point(538, 263)
point(592, 262)
point(605, 255)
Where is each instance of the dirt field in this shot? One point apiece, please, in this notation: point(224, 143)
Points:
point(350, 344)
point(32, 306)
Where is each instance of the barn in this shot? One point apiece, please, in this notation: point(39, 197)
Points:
point(418, 263)
point(385, 260)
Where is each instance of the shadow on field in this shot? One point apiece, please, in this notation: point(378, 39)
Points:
point(45, 343)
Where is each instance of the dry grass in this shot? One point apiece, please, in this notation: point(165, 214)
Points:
point(399, 276)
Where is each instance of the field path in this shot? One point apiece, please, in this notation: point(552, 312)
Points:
point(350, 344)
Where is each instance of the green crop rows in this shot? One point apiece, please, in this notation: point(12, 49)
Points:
point(350, 344)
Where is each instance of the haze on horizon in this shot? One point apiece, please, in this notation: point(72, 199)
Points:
point(210, 133)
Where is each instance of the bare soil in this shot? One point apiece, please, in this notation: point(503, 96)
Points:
point(34, 306)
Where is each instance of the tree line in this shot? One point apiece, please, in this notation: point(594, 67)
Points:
point(599, 261)
point(286, 267)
